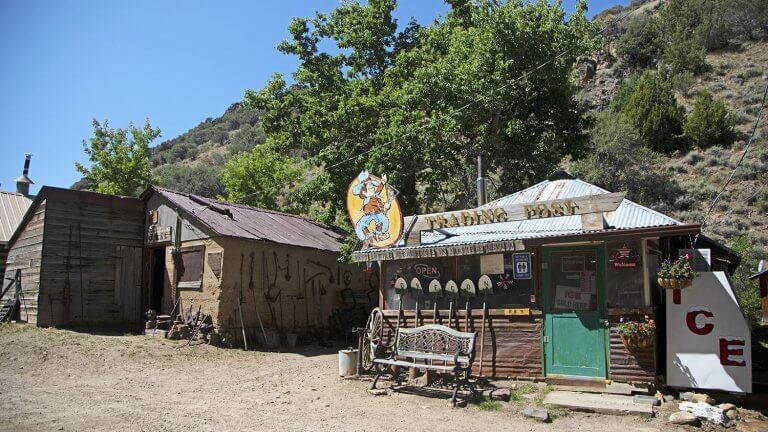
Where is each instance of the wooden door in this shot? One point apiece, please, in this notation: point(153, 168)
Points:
point(128, 283)
point(575, 342)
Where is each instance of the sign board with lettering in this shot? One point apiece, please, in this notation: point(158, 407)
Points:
point(522, 265)
point(159, 234)
point(708, 337)
point(486, 215)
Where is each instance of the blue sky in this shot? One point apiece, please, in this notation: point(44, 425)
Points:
point(64, 63)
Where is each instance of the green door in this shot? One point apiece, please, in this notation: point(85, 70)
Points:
point(574, 305)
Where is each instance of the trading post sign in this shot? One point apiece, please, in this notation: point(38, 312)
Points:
point(374, 211)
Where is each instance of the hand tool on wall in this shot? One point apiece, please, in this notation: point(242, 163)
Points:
point(467, 290)
point(417, 291)
point(485, 286)
point(452, 292)
point(401, 287)
point(435, 291)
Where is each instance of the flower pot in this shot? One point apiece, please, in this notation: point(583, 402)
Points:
point(669, 283)
point(637, 341)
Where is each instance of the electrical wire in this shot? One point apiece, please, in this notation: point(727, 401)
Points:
point(428, 121)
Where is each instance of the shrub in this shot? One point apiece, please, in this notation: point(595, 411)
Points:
point(640, 45)
point(747, 291)
point(684, 54)
point(202, 180)
point(683, 82)
point(653, 111)
point(709, 123)
point(620, 161)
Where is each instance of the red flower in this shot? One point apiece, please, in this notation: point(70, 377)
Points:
point(687, 256)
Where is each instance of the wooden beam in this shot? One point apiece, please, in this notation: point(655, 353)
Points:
point(525, 211)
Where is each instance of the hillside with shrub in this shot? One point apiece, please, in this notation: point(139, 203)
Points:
point(672, 93)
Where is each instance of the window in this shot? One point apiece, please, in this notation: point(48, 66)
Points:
point(624, 274)
point(190, 268)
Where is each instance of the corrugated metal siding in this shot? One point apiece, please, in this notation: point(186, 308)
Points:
point(12, 209)
point(258, 224)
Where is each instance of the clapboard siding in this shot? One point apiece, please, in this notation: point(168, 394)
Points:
point(90, 243)
point(25, 254)
point(511, 346)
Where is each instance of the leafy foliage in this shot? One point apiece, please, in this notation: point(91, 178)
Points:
point(747, 291)
point(709, 124)
point(640, 46)
point(119, 158)
point(261, 178)
point(653, 111)
point(403, 89)
point(677, 269)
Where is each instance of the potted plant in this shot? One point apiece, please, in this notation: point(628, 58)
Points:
point(676, 274)
point(637, 334)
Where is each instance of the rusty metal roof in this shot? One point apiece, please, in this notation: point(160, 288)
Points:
point(237, 220)
point(13, 206)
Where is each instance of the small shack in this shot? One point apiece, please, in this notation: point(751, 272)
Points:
point(79, 257)
point(565, 263)
point(254, 271)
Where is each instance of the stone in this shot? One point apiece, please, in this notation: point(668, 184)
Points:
point(696, 397)
point(499, 394)
point(538, 414)
point(732, 414)
point(683, 418)
point(704, 410)
point(378, 392)
point(753, 426)
point(669, 398)
point(645, 399)
point(726, 406)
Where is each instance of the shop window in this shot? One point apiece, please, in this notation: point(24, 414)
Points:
point(190, 269)
point(624, 274)
point(426, 270)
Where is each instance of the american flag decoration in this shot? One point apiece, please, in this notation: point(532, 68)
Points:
point(504, 282)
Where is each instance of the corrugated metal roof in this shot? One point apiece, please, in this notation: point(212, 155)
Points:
point(13, 206)
point(255, 223)
point(629, 215)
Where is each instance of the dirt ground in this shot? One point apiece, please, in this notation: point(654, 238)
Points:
point(65, 380)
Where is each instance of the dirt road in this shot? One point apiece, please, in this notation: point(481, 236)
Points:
point(64, 380)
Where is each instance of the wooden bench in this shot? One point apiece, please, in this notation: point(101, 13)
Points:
point(432, 347)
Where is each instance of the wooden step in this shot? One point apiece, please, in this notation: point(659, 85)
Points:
point(599, 403)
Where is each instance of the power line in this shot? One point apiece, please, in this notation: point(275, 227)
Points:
point(428, 121)
point(741, 160)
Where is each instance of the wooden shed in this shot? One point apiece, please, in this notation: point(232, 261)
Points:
point(254, 271)
point(79, 254)
point(566, 262)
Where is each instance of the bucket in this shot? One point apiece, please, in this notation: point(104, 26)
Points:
point(348, 362)
point(290, 340)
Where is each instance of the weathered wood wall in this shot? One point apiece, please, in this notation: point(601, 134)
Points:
point(511, 346)
point(3, 259)
point(25, 254)
point(91, 259)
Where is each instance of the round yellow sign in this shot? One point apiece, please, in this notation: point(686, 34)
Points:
point(374, 211)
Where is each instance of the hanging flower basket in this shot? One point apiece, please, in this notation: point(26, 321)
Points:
point(637, 341)
point(676, 274)
point(637, 334)
point(669, 283)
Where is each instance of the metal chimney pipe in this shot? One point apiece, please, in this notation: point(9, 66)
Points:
point(23, 182)
point(481, 180)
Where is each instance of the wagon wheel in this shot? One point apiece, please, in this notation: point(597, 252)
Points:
point(374, 329)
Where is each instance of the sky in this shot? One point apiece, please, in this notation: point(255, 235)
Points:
point(64, 63)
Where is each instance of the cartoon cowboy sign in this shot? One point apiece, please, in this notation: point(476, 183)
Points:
point(374, 211)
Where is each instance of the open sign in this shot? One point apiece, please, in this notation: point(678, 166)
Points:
point(426, 270)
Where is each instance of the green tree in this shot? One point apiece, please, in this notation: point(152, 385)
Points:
point(747, 291)
point(262, 177)
point(200, 179)
point(119, 158)
point(654, 112)
point(709, 123)
point(640, 45)
point(396, 95)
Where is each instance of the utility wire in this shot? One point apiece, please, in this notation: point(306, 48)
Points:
point(733, 173)
point(427, 121)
